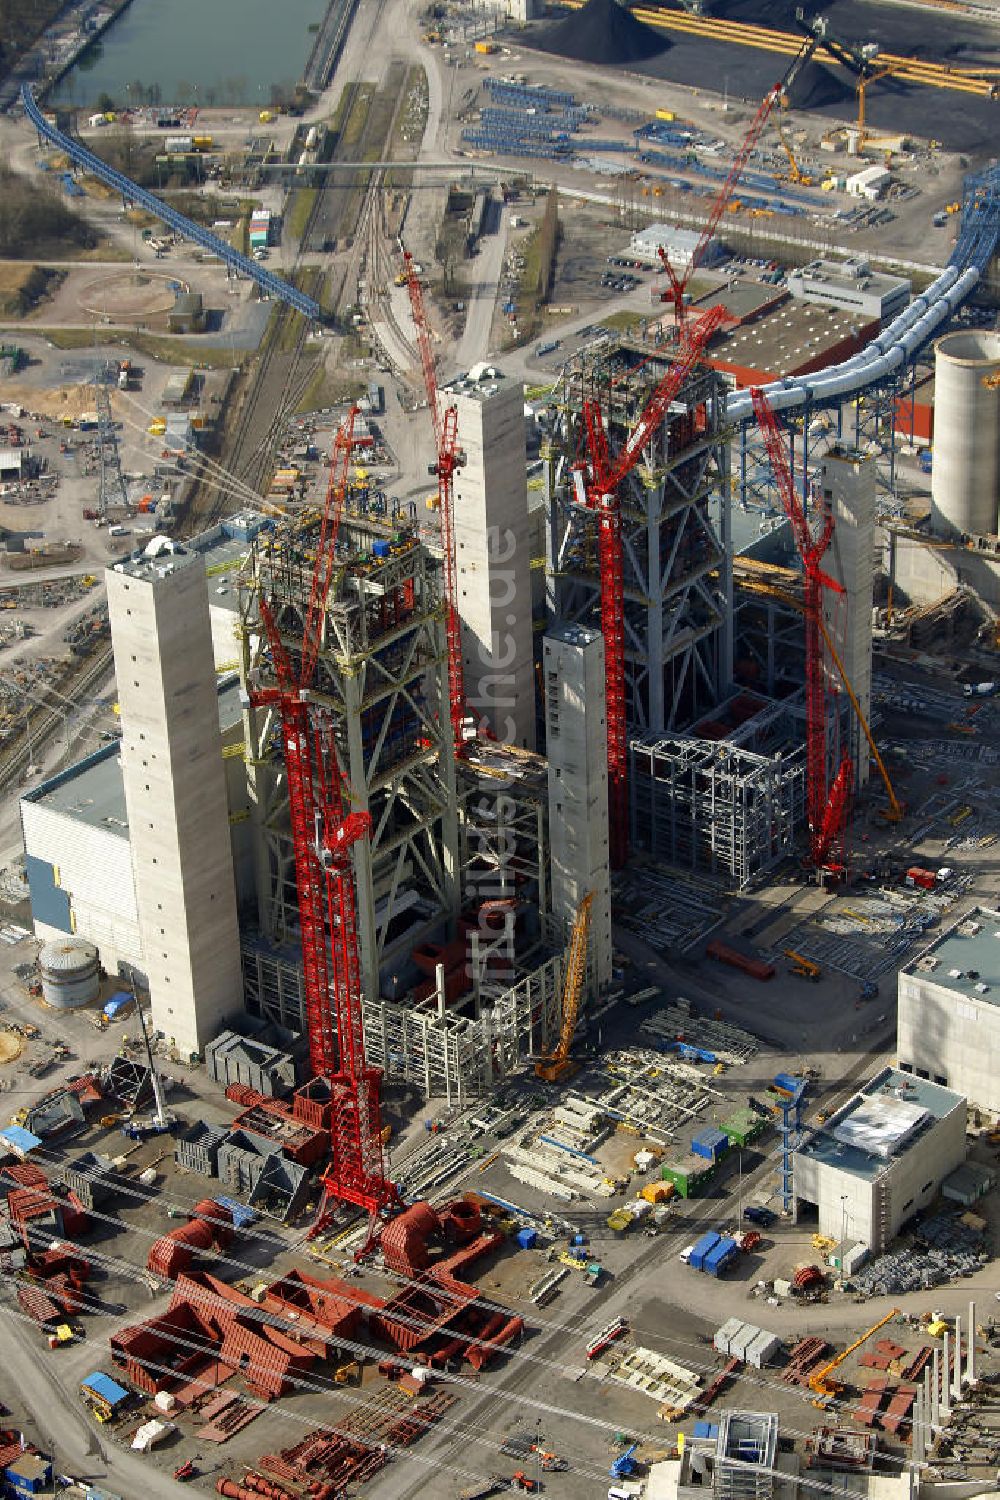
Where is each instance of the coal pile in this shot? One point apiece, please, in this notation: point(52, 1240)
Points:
point(603, 32)
point(818, 87)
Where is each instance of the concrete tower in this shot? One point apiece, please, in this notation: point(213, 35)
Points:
point(848, 484)
point(175, 791)
point(577, 742)
point(493, 547)
point(965, 478)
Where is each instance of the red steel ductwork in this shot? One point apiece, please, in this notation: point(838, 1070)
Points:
point(260, 1487)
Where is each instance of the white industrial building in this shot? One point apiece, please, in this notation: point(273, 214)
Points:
point(871, 183)
point(852, 285)
point(577, 744)
point(880, 1158)
point(948, 1027)
point(679, 244)
point(78, 853)
point(493, 553)
point(175, 791)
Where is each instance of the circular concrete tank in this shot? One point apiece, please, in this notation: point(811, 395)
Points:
point(965, 474)
point(71, 973)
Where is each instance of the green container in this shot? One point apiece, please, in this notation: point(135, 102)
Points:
point(744, 1126)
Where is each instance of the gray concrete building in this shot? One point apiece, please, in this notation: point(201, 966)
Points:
point(577, 744)
point(851, 285)
point(493, 553)
point(175, 791)
point(880, 1158)
point(948, 1026)
point(847, 479)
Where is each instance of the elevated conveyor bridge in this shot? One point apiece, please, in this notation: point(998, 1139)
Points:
point(131, 193)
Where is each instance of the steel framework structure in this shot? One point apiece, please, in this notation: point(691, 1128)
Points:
point(676, 643)
point(380, 673)
point(324, 832)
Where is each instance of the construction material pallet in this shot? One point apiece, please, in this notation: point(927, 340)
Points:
point(917, 1364)
point(899, 1408)
point(803, 1359)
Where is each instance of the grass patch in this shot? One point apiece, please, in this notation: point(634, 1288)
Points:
point(357, 118)
point(299, 210)
point(23, 286)
point(328, 388)
point(622, 322)
point(411, 118)
point(171, 351)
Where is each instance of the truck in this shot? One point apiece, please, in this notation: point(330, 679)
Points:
point(703, 1248)
point(979, 689)
point(917, 878)
point(721, 1257)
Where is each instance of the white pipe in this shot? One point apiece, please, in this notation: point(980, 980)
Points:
point(945, 1409)
point(936, 1385)
point(907, 333)
point(956, 1375)
point(970, 1364)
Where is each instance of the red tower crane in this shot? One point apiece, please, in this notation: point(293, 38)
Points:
point(678, 281)
point(826, 811)
point(602, 480)
point(448, 458)
point(323, 834)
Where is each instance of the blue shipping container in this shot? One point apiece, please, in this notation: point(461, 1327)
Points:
point(710, 1143)
point(119, 1003)
point(527, 1238)
point(702, 1248)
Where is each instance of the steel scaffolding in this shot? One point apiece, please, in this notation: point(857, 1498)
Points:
point(678, 643)
point(380, 675)
point(701, 804)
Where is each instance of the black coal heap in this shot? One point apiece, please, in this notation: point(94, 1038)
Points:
point(603, 32)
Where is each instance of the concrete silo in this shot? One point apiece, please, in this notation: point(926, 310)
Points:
point(965, 477)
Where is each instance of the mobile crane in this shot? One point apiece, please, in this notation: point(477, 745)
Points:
point(819, 1381)
point(558, 1065)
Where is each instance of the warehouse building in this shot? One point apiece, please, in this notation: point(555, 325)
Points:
point(880, 1159)
point(851, 285)
point(948, 1027)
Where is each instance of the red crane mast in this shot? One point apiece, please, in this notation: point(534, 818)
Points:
point(448, 458)
point(678, 280)
point(323, 834)
point(826, 811)
point(602, 482)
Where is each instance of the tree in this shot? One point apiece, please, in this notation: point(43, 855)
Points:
point(105, 104)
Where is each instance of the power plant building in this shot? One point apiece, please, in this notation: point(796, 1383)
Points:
point(948, 1026)
point(175, 791)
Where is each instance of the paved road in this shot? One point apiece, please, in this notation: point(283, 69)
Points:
point(63, 1426)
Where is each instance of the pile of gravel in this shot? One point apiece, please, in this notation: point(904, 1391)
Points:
point(603, 32)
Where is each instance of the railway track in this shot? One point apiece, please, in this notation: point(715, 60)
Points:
point(14, 759)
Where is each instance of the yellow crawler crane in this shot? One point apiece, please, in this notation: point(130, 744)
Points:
point(558, 1065)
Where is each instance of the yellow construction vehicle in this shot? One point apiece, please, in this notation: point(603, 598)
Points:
point(557, 1065)
point(795, 173)
point(820, 1383)
point(803, 967)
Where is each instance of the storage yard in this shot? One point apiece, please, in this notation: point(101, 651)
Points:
point(500, 763)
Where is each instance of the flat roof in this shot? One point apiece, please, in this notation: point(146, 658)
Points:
point(785, 340)
point(965, 959)
point(573, 633)
point(849, 274)
point(885, 1118)
point(93, 792)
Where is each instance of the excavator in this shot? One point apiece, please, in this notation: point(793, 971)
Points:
point(823, 1388)
point(557, 1065)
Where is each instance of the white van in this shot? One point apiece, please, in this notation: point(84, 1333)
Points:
point(686, 1254)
